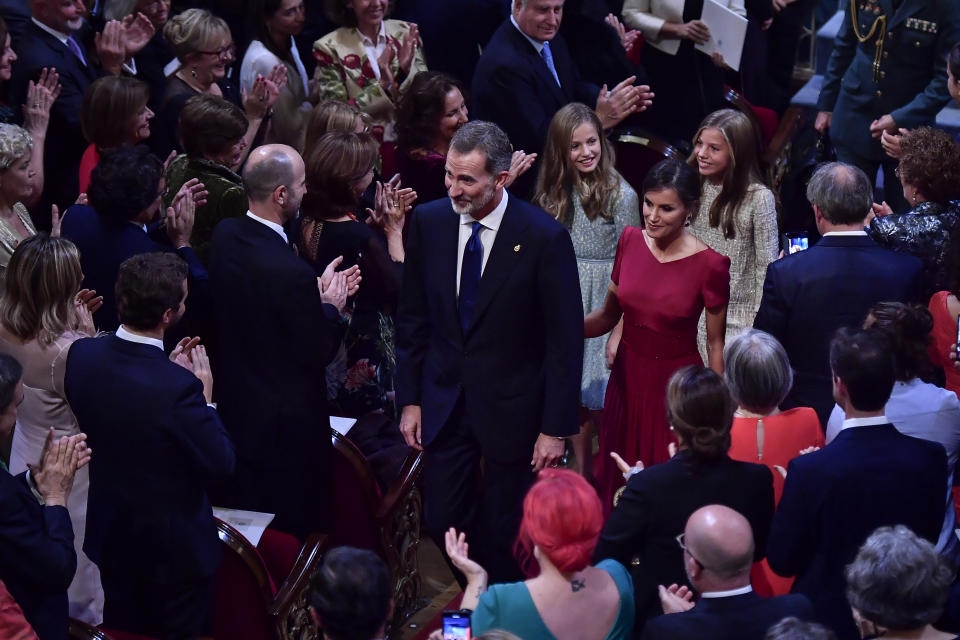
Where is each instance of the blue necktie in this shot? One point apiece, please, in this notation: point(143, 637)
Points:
point(470, 276)
point(76, 50)
point(548, 58)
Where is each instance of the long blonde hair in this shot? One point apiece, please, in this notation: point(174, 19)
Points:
point(559, 177)
point(744, 168)
point(42, 278)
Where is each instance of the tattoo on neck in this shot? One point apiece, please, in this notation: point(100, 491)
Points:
point(577, 584)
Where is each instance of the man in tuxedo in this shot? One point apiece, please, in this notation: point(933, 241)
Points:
point(37, 559)
point(49, 41)
point(488, 367)
point(871, 475)
point(278, 326)
point(717, 555)
point(526, 74)
point(160, 444)
point(807, 296)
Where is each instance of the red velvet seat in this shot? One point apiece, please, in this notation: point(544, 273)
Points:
point(638, 152)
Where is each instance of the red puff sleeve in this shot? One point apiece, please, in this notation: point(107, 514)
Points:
point(716, 284)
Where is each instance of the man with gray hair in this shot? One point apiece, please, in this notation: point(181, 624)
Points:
point(717, 555)
point(278, 326)
point(488, 367)
point(808, 295)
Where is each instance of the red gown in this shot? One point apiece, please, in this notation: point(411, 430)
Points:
point(661, 304)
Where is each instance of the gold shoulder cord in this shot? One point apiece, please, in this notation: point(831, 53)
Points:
point(880, 21)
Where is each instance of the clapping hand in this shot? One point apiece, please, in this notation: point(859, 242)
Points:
point(110, 47)
point(195, 190)
point(519, 163)
point(85, 304)
point(137, 32)
point(59, 461)
point(627, 38)
point(621, 101)
point(180, 217)
point(192, 356)
point(407, 48)
point(459, 553)
point(675, 599)
point(390, 211)
point(336, 286)
point(40, 97)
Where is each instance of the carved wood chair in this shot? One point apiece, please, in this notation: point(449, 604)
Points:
point(386, 521)
point(250, 604)
point(637, 152)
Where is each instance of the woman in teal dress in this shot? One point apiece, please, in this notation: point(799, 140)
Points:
point(568, 597)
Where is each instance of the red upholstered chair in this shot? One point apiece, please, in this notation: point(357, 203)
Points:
point(249, 603)
point(386, 522)
point(638, 152)
point(764, 120)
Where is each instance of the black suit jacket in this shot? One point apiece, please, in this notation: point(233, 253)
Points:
point(275, 338)
point(743, 617)
point(104, 247)
point(37, 560)
point(807, 296)
point(654, 509)
point(833, 500)
point(157, 446)
point(513, 87)
point(518, 366)
point(65, 143)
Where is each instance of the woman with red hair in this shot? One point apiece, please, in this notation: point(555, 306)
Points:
point(568, 598)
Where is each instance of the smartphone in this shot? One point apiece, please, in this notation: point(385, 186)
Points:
point(795, 241)
point(958, 339)
point(456, 624)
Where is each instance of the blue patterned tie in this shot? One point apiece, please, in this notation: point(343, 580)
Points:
point(74, 47)
point(470, 277)
point(548, 58)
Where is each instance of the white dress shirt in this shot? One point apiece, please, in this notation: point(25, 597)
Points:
point(488, 233)
point(727, 594)
point(844, 233)
point(536, 43)
point(375, 49)
point(270, 223)
point(124, 334)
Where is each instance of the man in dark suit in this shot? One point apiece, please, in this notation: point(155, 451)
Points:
point(124, 199)
point(160, 444)
point(48, 41)
point(526, 74)
point(487, 367)
point(37, 559)
point(717, 556)
point(277, 329)
point(887, 71)
point(871, 475)
point(807, 296)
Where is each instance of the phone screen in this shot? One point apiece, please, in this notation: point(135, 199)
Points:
point(794, 242)
point(456, 625)
point(958, 338)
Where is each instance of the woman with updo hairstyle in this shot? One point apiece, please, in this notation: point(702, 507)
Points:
point(568, 597)
point(204, 46)
point(114, 113)
point(43, 312)
point(929, 171)
point(338, 170)
point(17, 175)
point(333, 115)
point(653, 508)
point(916, 407)
point(663, 278)
point(897, 586)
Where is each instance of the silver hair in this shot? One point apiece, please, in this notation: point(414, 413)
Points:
point(15, 143)
point(898, 580)
point(487, 138)
point(792, 628)
point(757, 370)
point(842, 192)
point(118, 9)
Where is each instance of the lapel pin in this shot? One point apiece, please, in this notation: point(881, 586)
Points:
point(516, 249)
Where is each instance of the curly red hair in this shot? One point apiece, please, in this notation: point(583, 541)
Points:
point(562, 516)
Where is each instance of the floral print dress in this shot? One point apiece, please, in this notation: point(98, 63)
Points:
point(344, 72)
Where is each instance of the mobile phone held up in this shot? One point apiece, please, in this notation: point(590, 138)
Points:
point(793, 242)
point(456, 624)
point(958, 339)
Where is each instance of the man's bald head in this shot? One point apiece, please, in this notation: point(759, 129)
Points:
point(722, 541)
point(269, 167)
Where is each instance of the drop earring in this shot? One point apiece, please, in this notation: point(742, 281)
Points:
point(193, 72)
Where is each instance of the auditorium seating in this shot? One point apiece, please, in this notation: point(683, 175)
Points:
point(638, 152)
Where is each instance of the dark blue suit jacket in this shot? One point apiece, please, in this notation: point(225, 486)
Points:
point(513, 87)
point(104, 247)
point(65, 142)
point(743, 617)
point(836, 497)
point(518, 366)
point(37, 560)
point(157, 446)
point(807, 296)
point(275, 339)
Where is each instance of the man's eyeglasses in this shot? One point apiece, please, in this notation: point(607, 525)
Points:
point(227, 51)
point(680, 541)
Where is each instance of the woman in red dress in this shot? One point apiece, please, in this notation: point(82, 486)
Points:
point(663, 278)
